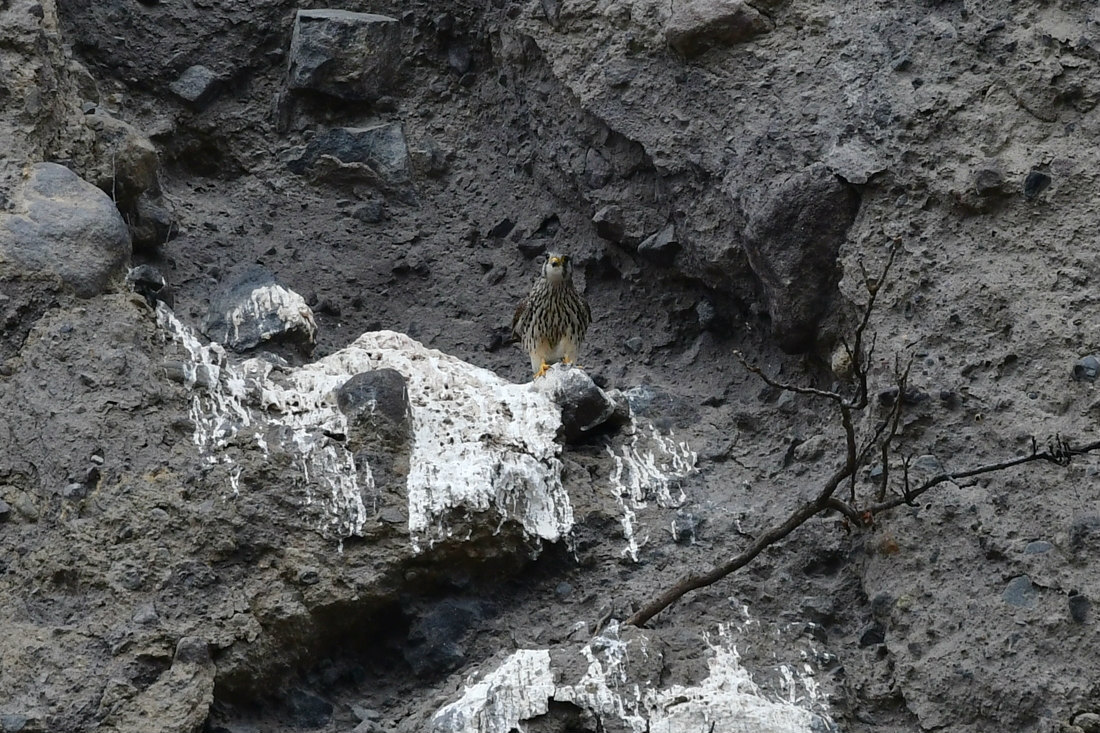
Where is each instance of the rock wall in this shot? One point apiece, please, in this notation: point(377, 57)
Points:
point(342, 506)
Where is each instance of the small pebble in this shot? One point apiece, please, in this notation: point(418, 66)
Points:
point(1086, 369)
point(1035, 183)
point(1021, 593)
point(635, 343)
point(1038, 547)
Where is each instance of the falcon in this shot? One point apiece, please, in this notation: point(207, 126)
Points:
point(552, 320)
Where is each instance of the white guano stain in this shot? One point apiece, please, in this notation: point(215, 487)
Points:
point(480, 444)
point(726, 700)
point(646, 468)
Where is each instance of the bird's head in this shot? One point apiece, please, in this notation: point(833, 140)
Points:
point(557, 268)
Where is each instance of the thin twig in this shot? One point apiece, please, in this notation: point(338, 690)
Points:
point(1058, 453)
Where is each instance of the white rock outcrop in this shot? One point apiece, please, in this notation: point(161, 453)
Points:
point(614, 693)
point(481, 445)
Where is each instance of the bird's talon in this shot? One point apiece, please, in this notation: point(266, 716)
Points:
point(542, 370)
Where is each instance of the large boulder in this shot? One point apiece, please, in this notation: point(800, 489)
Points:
point(794, 232)
point(60, 227)
point(125, 165)
point(343, 54)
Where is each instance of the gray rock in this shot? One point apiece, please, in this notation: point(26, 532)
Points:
point(1035, 183)
point(428, 158)
point(197, 85)
point(379, 151)
point(685, 527)
point(5, 510)
point(343, 54)
point(1021, 593)
point(661, 247)
point(13, 723)
point(255, 309)
point(146, 614)
point(376, 404)
point(708, 317)
point(148, 282)
point(364, 713)
point(697, 25)
point(609, 223)
point(585, 408)
point(1079, 607)
point(1086, 369)
point(1087, 722)
point(192, 650)
point(370, 212)
point(987, 189)
point(308, 710)
point(792, 241)
point(459, 58)
point(64, 229)
point(635, 344)
point(151, 224)
point(126, 161)
point(435, 639)
point(1038, 547)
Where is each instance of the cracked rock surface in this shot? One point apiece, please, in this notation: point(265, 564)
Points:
point(387, 527)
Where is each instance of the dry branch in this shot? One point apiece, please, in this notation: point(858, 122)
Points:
point(857, 456)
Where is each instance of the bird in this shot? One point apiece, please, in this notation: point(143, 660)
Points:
point(552, 320)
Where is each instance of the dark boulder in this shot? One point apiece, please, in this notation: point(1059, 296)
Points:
point(792, 240)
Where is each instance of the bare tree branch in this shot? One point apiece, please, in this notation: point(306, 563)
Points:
point(856, 456)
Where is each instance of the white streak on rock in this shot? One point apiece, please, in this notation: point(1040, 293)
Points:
point(517, 690)
point(275, 310)
point(223, 408)
point(480, 444)
point(647, 468)
point(726, 700)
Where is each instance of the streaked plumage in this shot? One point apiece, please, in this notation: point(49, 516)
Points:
point(552, 321)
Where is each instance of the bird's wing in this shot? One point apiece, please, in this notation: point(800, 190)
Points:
point(519, 314)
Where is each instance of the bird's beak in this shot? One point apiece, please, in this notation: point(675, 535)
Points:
point(555, 261)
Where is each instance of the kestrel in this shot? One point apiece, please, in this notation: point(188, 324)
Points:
point(552, 321)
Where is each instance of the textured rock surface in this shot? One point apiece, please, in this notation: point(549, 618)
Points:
point(793, 238)
point(968, 132)
point(696, 25)
point(348, 55)
point(254, 309)
point(61, 228)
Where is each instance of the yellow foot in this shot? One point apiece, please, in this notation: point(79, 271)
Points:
point(570, 362)
point(542, 370)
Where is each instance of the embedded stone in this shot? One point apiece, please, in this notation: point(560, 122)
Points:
point(343, 54)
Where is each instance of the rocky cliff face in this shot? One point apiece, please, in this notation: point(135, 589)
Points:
point(267, 462)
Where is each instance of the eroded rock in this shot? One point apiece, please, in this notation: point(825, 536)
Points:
point(376, 153)
point(62, 228)
point(254, 308)
point(697, 25)
point(343, 54)
point(621, 689)
point(792, 240)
